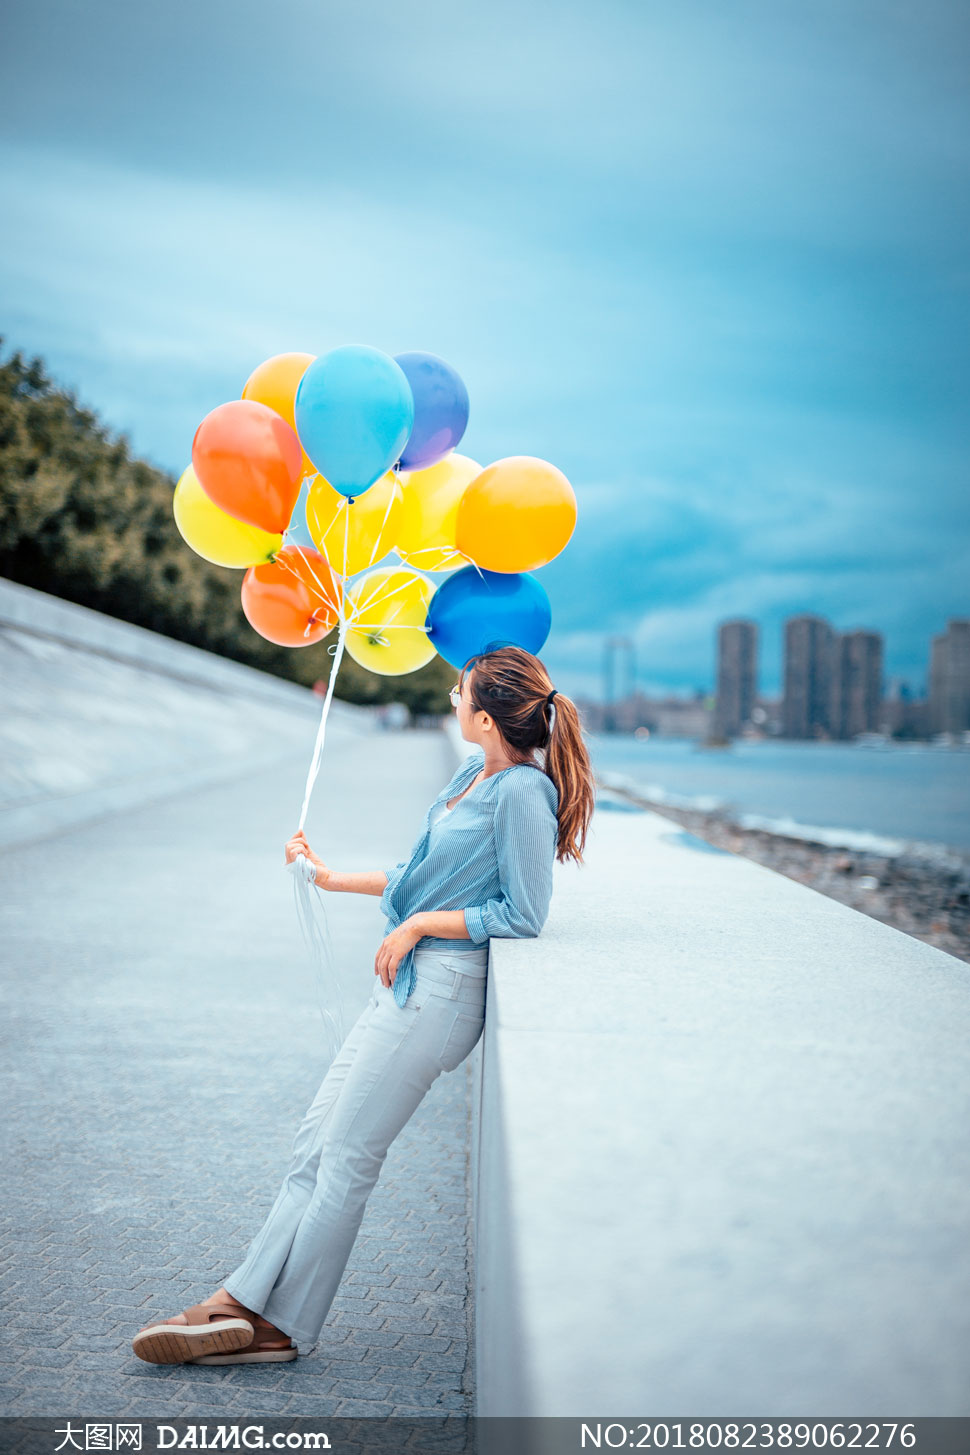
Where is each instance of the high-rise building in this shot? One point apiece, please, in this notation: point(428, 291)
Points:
point(806, 708)
point(618, 658)
point(856, 703)
point(737, 675)
point(949, 678)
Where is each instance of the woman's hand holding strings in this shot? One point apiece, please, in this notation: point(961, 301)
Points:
point(298, 845)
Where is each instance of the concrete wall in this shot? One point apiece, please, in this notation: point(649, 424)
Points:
point(720, 1160)
point(98, 716)
point(93, 631)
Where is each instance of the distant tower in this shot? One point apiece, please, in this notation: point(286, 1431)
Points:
point(612, 678)
point(936, 687)
point(806, 705)
point(949, 684)
point(856, 684)
point(737, 675)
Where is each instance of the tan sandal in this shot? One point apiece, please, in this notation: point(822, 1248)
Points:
point(255, 1352)
point(209, 1328)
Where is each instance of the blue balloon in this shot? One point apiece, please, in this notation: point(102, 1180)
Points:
point(297, 533)
point(440, 409)
point(474, 611)
point(354, 411)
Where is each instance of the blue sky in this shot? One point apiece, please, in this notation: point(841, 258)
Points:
point(708, 259)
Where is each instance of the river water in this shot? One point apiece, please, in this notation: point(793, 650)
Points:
point(881, 797)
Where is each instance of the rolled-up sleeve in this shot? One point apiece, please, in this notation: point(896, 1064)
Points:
point(526, 831)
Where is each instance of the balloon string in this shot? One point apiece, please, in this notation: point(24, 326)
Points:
point(323, 594)
point(380, 592)
point(309, 900)
point(358, 607)
point(288, 566)
point(392, 497)
point(446, 551)
point(341, 504)
point(323, 534)
point(333, 604)
point(345, 504)
point(390, 626)
point(309, 904)
point(316, 933)
point(322, 730)
point(376, 632)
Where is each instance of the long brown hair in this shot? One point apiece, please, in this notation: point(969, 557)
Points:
point(513, 687)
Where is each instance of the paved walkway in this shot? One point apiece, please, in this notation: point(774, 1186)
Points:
point(164, 1040)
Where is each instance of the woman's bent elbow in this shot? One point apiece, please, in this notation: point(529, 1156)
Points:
point(529, 926)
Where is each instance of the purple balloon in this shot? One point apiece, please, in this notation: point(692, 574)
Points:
point(440, 409)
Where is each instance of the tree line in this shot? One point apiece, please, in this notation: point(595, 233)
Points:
point(84, 520)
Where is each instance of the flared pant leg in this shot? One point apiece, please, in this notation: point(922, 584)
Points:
point(252, 1282)
point(386, 1065)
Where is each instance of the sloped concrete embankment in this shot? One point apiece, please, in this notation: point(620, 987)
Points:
point(98, 715)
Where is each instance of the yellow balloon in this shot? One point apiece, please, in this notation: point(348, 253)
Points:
point(516, 515)
point(386, 611)
point(354, 536)
point(274, 383)
point(429, 515)
point(213, 534)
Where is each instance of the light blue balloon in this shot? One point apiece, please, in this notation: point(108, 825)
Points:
point(297, 533)
point(354, 412)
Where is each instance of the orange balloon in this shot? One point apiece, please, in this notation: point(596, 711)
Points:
point(516, 515)
point(274, 383)
point(249, 462)
point(292, 600)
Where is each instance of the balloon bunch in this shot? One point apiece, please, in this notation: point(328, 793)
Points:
point(325, 466)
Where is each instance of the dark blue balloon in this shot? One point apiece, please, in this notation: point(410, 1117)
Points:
point(474, 611)
point(440, 409)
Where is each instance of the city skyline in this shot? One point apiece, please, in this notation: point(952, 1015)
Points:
point(767, 690)
point(834, 687)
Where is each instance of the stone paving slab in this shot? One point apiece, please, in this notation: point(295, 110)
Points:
point(163, 1040)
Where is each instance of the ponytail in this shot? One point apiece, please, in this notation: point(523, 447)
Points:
point(568, 765)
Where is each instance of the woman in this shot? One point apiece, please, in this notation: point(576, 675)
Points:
point(481, 867)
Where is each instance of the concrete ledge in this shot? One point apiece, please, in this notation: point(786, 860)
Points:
point(720, 1160)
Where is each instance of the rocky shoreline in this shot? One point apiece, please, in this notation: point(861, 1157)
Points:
point(926, 895)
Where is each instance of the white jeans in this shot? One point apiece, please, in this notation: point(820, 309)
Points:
point(390, 1058)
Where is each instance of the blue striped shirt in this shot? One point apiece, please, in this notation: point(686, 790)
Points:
point(491, 856)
